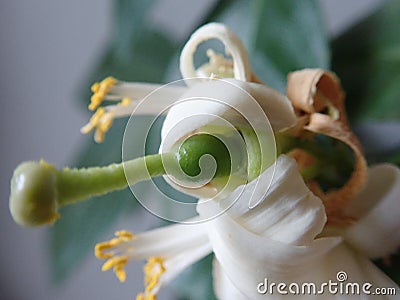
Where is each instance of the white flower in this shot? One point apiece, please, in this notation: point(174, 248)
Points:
point(273, 227)
point(260, 218)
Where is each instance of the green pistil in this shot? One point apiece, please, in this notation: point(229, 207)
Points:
point(79, 184)
point(38, 189)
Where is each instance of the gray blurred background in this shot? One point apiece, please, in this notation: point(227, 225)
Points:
point(47, 49)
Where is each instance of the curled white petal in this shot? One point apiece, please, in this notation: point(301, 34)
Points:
point(287, 210)
point(242, 271)
point(229, 98)
point(247, 258)
point(276, 241)
point(223, 286)
point(233, 44)
point(209, 104)
point(377, 208)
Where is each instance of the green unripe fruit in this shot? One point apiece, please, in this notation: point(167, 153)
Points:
point(196, 146)
point(33, 199)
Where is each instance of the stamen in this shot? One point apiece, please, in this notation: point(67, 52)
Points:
point(117, 262)
point(124, 234)
point(103, 118)
point(100, 90)
point(153, 270)
point(233, 45)
point(125, 102)
point(142, 296)
point(113, 262)
point(218, 66)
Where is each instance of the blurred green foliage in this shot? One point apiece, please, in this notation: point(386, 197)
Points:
point(367, 59)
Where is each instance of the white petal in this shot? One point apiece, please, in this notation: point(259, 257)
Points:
point(166, 241)
point(175, 265)
point(229, 99)
point(223, 286)
point(287, 210)
point(247, 258)
point(377, 208)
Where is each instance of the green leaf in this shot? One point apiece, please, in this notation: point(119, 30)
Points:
point(367, 59)
point(133, 55)
point(287, 36)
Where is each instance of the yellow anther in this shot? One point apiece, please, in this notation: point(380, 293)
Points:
point(101, 121)
point(106, 122)
point(120, 273)
point(125, 234)
point(218, 66)
point(96, 100)
point(142, 296)
point(121, 236)
point(94, 121)
point(99, 136)
point(152, 272)
point(125, 102)
point(95, 87)
point(110, 263)
point(100, 90)
point(116, 262)
point(100, 248)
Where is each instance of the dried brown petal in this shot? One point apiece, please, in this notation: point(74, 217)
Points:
point(337, 200)
point(318, 99)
